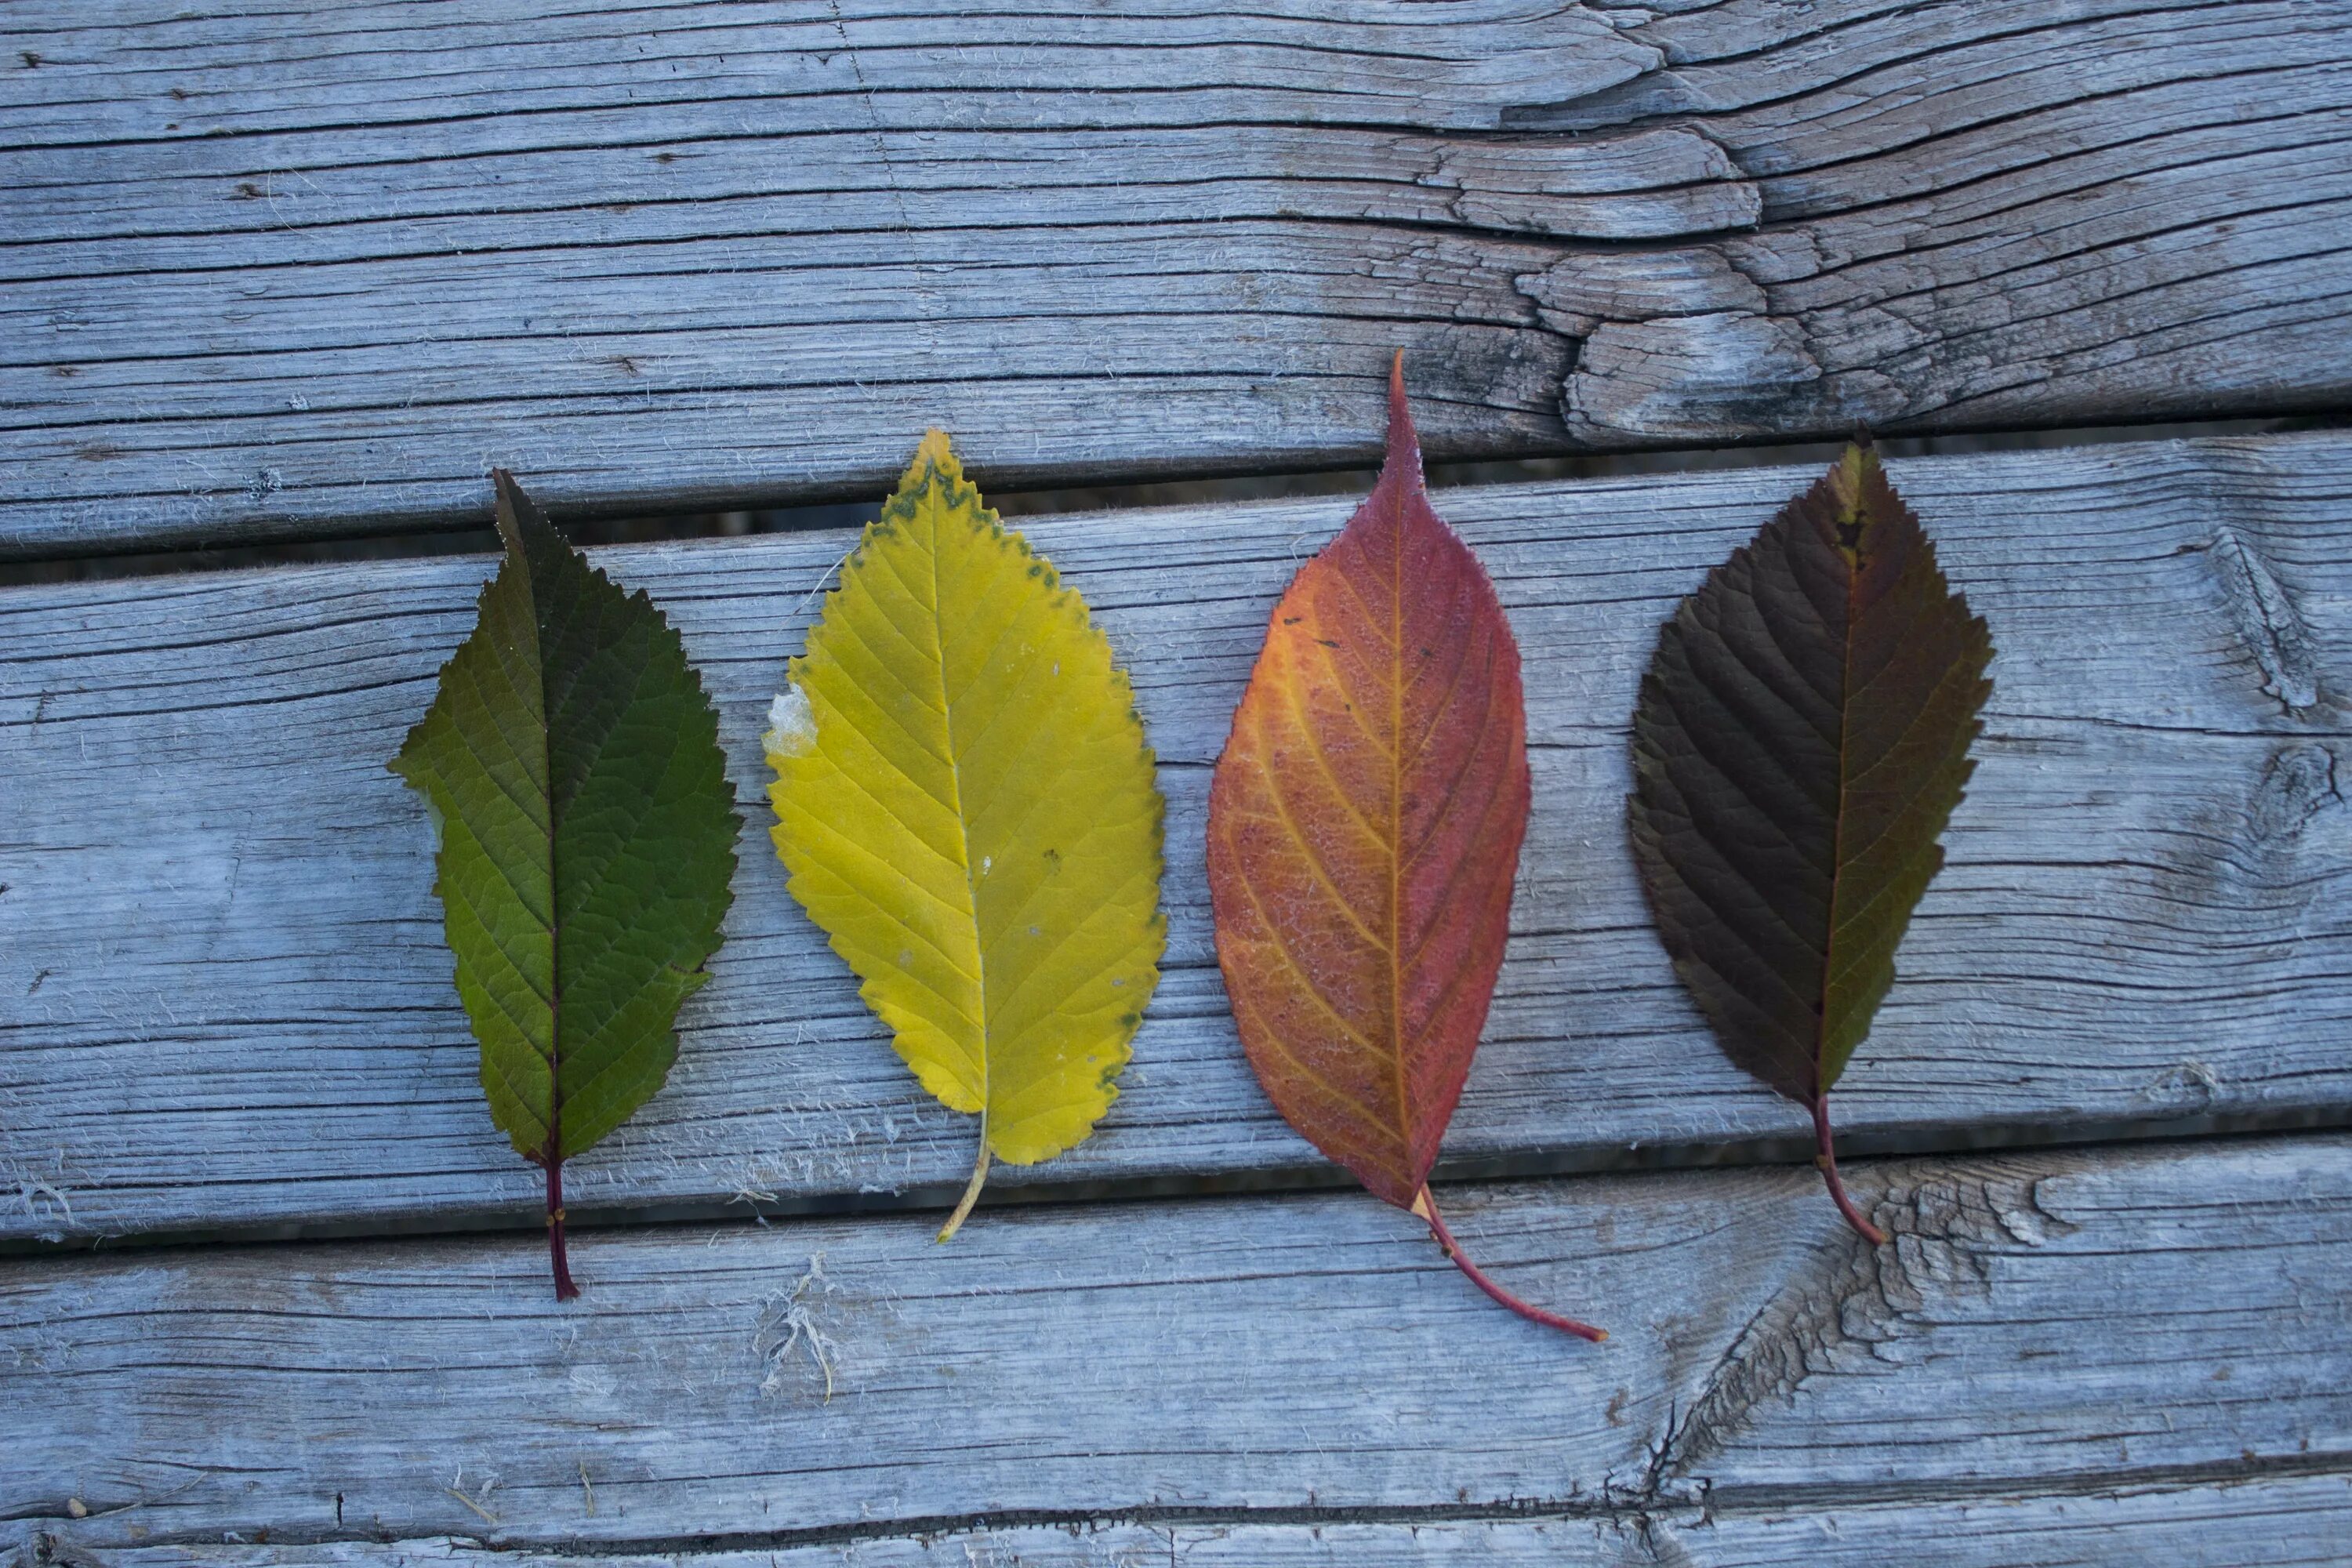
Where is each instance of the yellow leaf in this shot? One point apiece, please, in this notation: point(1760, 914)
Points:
point(965, 803)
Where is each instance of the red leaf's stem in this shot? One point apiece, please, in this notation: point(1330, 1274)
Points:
point(1827, 1160)
point(1426, 1206)
point(565, 1291)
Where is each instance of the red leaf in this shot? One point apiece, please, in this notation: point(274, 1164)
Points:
point(1363, 830)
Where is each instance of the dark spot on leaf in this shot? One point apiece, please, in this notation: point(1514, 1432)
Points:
point(29, 58)
point(180, 95)
point(247, 191)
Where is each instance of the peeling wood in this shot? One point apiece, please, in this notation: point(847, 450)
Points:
point(224, 1001)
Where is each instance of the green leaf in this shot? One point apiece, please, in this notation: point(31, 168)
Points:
point(571, 766)
point(1801, 739)
point(966, 805)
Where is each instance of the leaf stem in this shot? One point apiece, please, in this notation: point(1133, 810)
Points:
point(1426, 1207)
point(565, 1291)
point(1827, 1160)
point(970, 1193)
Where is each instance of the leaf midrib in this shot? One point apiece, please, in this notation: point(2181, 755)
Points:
point(933, 495)
point(555, 1096)
point(1396, 825)
point(1837, 819)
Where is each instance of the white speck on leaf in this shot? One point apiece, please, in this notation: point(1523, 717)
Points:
point(792, 724)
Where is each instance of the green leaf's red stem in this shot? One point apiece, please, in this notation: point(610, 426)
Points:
point(1452, 1249)
point(565, 1291)
point(1827, 1160)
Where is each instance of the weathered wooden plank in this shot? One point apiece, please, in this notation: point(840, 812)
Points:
point(2092, 1322)
point(2289, 1522)
point(224, 999)
point(694, 253)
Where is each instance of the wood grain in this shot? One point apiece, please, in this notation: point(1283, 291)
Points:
point(693, 255)
point(2098, 1338)
point(224, 1001)
point(2292, 1523)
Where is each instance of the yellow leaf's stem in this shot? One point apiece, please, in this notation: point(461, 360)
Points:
point(971, 1190)
point(1426, 1207)
point(1826, 1158)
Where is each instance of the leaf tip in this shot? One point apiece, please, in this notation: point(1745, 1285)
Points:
point(1402, 435)
point(935, 450)
point(512, 505)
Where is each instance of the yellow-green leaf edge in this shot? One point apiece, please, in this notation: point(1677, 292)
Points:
point(966, 803)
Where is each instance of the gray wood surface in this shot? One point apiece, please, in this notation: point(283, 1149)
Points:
point(687, 255)
point(2276, 1523)
point(224, 1000)
point(2100, 1338)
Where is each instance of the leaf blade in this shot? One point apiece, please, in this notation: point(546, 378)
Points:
point(572, 761)
point(1377, 768)
point(1364, 829)
point(966, 805)
point(1799, 743)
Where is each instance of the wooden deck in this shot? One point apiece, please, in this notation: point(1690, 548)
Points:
point(265, 278)
point(273, 1291)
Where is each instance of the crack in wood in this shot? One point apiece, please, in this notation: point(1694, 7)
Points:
point(1944, 1224)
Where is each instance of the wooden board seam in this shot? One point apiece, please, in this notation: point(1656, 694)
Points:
point(1008, 1189)
point(1637, 1509)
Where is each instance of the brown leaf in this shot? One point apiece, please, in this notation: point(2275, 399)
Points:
point(1801, 739)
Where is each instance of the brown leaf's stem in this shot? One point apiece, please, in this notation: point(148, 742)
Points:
point(1827, 1160)
point(1426, 1207)
point(971, 1192)
point(565, 1291)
